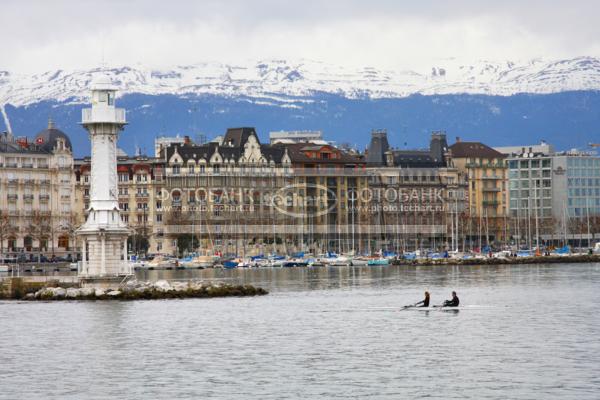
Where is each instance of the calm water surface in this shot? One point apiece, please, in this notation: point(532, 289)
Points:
point(531, 332)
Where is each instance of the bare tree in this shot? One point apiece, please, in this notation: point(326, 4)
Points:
point(68, 226)
point(7, 229)
point(40, 228)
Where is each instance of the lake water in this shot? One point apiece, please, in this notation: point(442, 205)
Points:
point(527, 332)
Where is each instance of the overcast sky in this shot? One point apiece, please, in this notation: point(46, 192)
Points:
point(44, 35)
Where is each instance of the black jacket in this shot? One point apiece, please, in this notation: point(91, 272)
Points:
point(452, 303)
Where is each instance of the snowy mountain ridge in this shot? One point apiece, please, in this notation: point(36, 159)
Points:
point(288, 84)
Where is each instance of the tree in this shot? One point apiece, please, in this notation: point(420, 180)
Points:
point(69, 226)
point(138, 242)
point(40, 228)
point(7, 229)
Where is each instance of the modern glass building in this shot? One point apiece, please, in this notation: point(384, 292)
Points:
point(560, 191)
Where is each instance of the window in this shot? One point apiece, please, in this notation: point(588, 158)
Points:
point(159, 218)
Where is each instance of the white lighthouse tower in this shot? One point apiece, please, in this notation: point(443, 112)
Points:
point(103, 236)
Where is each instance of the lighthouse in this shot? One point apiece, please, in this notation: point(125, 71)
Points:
point(103, 237)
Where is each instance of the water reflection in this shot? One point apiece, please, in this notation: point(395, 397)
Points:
point(322, 278)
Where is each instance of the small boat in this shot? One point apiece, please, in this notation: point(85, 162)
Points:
point(359, 261)
point(378, 261)
point(503, 254)
point(200, 262)
point(295, 262)
point(525, 253)
point(161, 262)
point(565, 251)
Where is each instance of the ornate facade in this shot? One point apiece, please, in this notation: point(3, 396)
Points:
point(36, 196)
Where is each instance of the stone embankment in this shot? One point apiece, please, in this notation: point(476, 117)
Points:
point(587, 258)
point(132, 290)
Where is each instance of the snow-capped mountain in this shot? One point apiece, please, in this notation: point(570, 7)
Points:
point(498, 103)
point(285, 83)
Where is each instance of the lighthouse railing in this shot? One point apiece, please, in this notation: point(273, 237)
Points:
point(103, 114)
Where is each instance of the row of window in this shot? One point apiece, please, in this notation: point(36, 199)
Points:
point(545, 183)
point(523, 174)
point(527, 164)
point(530, 193)
point(583, 172)
point(583, 182)
point(583, 162)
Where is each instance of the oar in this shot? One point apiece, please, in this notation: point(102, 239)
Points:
point(408, 306)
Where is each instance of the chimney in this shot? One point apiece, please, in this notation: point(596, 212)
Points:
point(458, 139)
point(186, 140)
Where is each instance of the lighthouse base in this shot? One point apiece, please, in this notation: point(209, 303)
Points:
point(104, 256)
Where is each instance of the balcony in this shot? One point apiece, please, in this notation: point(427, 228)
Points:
point(44, 181)
point(27, 165)
point(142, 195)
point(101, 114)
point(490, 189)
point(28, 197)
point(65, 196)
point(12, 197)
point(11, 165)
point(28, 181)
point(491, 203)
point(13, 181)
point(42, 166)
point(44, 197)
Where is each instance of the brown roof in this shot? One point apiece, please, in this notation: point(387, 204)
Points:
point(474, 149)
point(296, 153)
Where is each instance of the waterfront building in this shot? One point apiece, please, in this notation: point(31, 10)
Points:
point(36, 196)
point(214, 195)
point(420, 199)
point(553, 196)
point(336, 216)
point(103, 236)
point(241, 197)
point(486, 173)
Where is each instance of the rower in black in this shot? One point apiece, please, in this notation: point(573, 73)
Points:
point(424, 302)
point(454, 302)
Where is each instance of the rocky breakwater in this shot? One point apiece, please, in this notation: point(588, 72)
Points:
point(135, 290)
